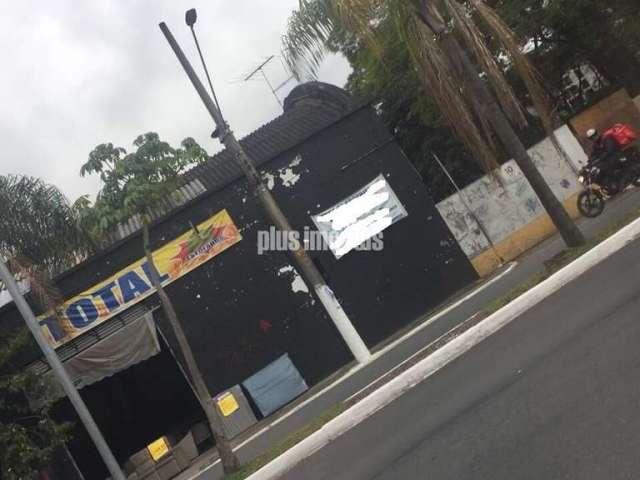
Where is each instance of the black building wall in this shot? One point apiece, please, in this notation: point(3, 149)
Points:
point(239, 311)
point(421, 264)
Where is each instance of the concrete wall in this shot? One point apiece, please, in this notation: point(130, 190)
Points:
point(508, 209)
point(617, 108)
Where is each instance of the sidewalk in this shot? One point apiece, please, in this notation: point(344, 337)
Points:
point(410, 344)
point(349, 381)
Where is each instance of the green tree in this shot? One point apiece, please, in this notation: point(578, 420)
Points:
point(393, 86)
point(135, 184)
point(39, 237)
point(454, 65)
point(28, 435)
point(37, 223)
point(564, 34)
point(387, 79)
point(594, 31)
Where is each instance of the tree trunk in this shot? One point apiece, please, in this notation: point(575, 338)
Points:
point(572, 236)
point(485, 103)
point(230, 462)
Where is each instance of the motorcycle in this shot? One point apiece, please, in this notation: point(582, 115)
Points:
point(599, 186)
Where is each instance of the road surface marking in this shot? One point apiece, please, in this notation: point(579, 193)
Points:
point(407, 360)
point(374, 357)
point(443, 356)
point(442, 313)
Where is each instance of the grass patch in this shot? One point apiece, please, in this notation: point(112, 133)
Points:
point(558, 261)
point(293, 439)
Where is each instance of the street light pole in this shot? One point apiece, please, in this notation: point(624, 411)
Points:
point(300, 257)
point(61, 374)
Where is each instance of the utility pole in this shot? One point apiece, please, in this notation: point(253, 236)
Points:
point(61, 374)
point(300, 257)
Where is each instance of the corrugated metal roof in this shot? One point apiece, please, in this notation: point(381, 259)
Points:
point(309, 108)
point(266, 143)
point(186, 192)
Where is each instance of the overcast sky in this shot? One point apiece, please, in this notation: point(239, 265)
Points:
point(76, 74)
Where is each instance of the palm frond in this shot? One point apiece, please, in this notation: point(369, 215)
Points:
point(37, 222)
point(442, 82)
point(524, 68)
point(309, 28)
point(472, 36)
point(312, 25)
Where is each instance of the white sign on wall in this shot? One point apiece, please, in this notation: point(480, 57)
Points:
point(359, 217)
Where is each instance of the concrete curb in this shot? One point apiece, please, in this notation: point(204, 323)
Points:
point(448, 353)
point(374, 356)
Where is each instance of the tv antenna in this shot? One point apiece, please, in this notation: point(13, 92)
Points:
point(274, 90)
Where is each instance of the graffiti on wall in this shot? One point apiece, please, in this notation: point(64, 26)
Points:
point(505, 202)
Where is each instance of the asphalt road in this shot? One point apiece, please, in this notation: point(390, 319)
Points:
point(527, 266)
point(554, 395)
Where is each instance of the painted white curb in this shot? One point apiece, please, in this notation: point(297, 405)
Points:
point(374, 356)
point(454, 349)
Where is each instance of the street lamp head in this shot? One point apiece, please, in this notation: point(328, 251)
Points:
point(191, 16)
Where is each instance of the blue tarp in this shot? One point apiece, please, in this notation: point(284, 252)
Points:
point(275, 385)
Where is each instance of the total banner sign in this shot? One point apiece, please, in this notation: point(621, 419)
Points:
point(132, 284)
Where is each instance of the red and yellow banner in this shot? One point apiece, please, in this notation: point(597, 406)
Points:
point(132, 284)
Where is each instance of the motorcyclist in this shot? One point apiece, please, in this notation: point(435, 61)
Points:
point(605, 151)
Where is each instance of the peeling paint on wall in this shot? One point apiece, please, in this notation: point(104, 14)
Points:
point(287, 175)
point(297, 283)
point(270, 179)
point(289, 178)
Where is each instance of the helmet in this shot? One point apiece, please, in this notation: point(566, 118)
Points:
point(592, 134)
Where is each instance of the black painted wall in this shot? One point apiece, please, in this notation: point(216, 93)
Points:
point(239, 313)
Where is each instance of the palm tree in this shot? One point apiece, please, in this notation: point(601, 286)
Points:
point(455, 67)
point(37, 223)
point(39, 238)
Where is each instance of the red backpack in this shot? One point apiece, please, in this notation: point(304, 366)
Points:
point(624, 135)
